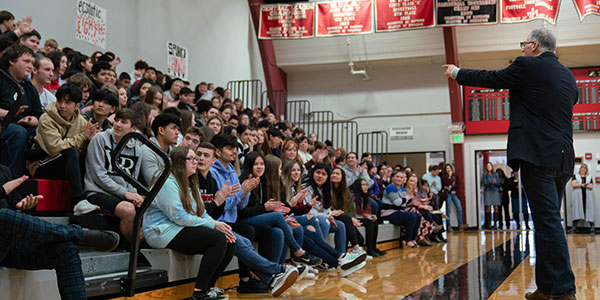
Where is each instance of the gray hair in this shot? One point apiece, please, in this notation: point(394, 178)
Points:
point(544, 38)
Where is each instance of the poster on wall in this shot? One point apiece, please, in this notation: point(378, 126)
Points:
point(587, 7)
point(392, 15)
point(344, 18)
point(287, 21)
point(517, 11)
point(177, 61)
point(90, 24)
point(458, 12)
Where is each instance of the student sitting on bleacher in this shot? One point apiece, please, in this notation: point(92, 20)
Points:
point(166, 129)
point(274, 277)
point(178, 220)
point(105, 103)
point(364, 213)
point(104, 187)
point(18, 62)
point(394, 209)
point(62, 136)
point(293, 197)
point(343, 210)
point(31, 243)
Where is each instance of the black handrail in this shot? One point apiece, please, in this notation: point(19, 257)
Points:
point(128, 285)
point(12, 112)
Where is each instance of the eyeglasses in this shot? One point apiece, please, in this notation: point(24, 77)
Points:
point(523, 44)
point(191, 159)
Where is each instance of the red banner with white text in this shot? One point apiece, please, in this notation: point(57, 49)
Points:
point(344, 17)
point(287, 21)
point(587, 7)
point(517, 11)
point(392, 15)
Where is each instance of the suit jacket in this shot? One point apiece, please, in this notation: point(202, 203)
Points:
point(542, 95)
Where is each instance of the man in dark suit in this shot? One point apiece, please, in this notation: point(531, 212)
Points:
point(540, 143)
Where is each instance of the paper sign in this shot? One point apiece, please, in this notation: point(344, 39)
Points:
point(90, 25)
point(177, 61)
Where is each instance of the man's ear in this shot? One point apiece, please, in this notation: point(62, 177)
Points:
point(218, 153)
point(161, 131)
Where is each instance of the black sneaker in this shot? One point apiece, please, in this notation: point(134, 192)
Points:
point(302, 271)
point(307, 259)
point(323, 266)
point(253, 286)
point(99, 240)
point(380, 252)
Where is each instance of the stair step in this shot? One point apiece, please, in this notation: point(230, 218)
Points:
point(109, 284)
point(95, 263)
point(56, 220)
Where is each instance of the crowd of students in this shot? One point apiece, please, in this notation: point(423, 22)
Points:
point(237, 175)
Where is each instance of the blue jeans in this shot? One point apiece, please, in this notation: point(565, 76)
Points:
point(374, 206)
point(298, 236)
point(276, 219)
point(453, 198)
point(339, 233)
point(410, 220)
point(246, 253)
point(13, 142)
point(318, 247)
point(544, 188)
point(278, 245)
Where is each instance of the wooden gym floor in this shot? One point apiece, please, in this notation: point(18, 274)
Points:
point(472, 265)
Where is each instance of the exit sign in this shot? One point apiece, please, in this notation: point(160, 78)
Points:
point(458, 138)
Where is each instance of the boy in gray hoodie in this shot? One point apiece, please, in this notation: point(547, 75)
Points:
point(103, 187)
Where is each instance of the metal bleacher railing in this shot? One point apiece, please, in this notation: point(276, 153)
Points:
point(249, 91)
point(128, 284)
point(343, 133)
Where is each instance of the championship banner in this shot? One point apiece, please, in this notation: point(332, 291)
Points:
point(392, 15)
point(459, 12)
point(287, 21)
point(587, 7)
point(177, 61)
point(90, 23)
point(344, 18)
point(517, 11)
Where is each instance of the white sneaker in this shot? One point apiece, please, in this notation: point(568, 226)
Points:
point(345, 273)
point(84, 207)
point(283, 281)
point(313, 270)
point(311, 276)
point(352, 259)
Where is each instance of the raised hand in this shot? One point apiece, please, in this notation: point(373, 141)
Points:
point(449, 69)
point(249, 184)
point(225, 192)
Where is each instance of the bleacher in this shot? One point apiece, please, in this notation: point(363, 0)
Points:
point(106, 273)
